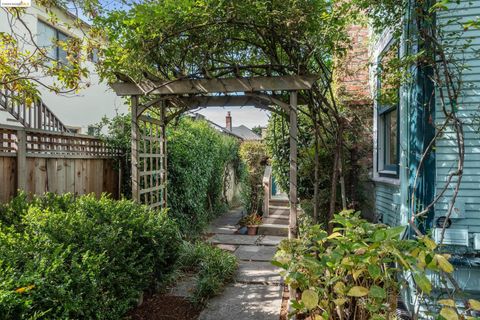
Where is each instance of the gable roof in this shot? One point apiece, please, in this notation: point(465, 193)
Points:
point(245, 133)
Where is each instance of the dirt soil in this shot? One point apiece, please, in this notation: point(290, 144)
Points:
point(164, 307)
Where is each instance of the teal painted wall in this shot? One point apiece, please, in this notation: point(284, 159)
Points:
point(386, 203)
point(468, 202)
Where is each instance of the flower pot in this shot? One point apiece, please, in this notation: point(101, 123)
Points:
point(252, 230)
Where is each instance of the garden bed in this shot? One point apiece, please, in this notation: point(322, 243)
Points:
point(165, 307)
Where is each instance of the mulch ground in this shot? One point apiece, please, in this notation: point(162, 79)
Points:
point(164, 307)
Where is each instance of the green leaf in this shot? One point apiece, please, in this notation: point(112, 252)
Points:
point(422, 282)
point(377, 292)
point(310, 299)
point(357, 291)
point(374, 271)
point(393, 233)
point(449, 313)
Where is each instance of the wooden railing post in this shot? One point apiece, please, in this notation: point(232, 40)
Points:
point(21, 159)
point(135, 152)
point(292, 233)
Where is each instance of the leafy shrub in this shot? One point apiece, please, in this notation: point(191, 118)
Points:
point(354, 273)
point(81, 258)
point(215, 268)
point(254, 155)
point(198, 156)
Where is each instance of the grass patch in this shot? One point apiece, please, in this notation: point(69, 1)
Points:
point(214, 267)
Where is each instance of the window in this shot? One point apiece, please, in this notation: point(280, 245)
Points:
point(48, 38)
point(388, 97)
point(93, 55)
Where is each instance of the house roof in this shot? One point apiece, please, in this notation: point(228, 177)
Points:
point(245, 133)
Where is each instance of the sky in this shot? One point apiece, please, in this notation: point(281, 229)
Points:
point(248, 116)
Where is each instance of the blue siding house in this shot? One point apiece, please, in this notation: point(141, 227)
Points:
point(403, 129)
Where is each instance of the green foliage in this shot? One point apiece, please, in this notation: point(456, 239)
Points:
point(254, 155)
point(66, 258)
point(355, 271)
point(198, 156)
point(278, 145)
point(214, 267)
point(252, 219)
point(173, 38)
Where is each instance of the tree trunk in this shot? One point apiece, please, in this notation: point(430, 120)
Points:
point(333, 190)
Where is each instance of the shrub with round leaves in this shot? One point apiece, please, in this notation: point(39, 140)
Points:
point(356, 272)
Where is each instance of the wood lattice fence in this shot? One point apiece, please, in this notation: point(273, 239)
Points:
point(40, 161)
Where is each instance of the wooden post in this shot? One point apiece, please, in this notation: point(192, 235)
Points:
point(135, 155)
point(267, 190)
point(292, 233)
point(163, 151)
point(21, 159)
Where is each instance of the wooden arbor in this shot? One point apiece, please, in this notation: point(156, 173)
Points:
point(149, 148)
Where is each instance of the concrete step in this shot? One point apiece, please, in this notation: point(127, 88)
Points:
point(279, 202)
point(276, 220)
point(273, 229)
point(279, 211)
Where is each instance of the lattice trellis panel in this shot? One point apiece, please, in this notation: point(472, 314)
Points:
point(149, 170)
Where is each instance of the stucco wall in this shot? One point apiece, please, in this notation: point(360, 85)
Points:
point(81, 109)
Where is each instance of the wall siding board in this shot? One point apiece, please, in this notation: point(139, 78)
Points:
point(469, 103)
point(385, 208)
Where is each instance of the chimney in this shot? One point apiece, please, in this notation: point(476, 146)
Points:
point(228, 120)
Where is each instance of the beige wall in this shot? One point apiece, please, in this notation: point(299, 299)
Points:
point(80, 109)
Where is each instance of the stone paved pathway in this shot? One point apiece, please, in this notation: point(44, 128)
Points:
point(257, 291)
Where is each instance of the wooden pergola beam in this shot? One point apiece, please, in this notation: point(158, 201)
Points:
point(203, 86)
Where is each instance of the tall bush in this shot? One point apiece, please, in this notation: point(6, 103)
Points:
point(66, 258)
point(254, 155)
point(198, 156)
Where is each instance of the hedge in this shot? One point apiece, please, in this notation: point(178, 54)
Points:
point(81, 258)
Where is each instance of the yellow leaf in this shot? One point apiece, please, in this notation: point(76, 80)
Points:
point(310, 299)
point(340, 301)
point(443, 263)
point(474, 304)
point(23, 289)
point(449, 313)
point(357, 273)
point(429, 243)
point(447, 302)
point(357, 291)
point(339, 288)
point(334, 235)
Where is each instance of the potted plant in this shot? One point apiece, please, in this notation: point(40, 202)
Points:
point(251, 221)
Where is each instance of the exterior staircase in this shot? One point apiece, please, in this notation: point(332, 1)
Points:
point(36, 116)
point(277, 220)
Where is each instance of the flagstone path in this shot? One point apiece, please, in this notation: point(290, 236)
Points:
point(257, 290)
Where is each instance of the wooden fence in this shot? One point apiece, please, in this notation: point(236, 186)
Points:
point(39, 161)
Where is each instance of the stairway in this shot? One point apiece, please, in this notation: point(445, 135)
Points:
point(277, 220)
point(36, 116)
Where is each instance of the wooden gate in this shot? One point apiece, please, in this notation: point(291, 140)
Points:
point(149, 164)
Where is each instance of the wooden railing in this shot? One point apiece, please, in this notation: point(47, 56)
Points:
point(38, 161)
point(35, 116)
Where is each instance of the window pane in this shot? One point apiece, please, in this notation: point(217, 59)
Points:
point(46, 36)
point(392, 136)
point(62, 53)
